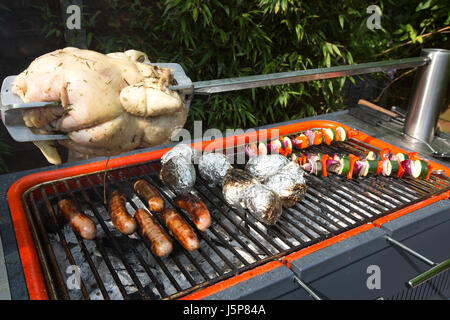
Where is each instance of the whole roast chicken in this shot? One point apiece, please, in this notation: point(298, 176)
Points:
point(108, 104)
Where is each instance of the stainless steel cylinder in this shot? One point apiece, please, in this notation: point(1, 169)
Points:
point(431, 87)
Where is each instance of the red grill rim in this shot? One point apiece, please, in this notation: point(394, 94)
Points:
point(28, 255)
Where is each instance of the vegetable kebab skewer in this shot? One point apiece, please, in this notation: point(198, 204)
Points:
point(383, 163)
point(399, 165)
point(285, 145)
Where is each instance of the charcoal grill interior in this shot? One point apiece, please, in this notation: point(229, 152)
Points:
point(114, 266)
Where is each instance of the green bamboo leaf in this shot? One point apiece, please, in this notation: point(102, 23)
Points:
point(409, 27)
point(227, 10)
point(352, 80)
point(50, 32)
point(328, 60)
point(341, 82)
point(341, 21)
point(205, 58)
point(324, 50)
point(413, 36)
point(403, 37)
point(299, 32)
point(423, 5)
point(310, 110)
point(183, 25)
point(277, 7)
point(330, 86)
point(336, 49)
point(207, 12)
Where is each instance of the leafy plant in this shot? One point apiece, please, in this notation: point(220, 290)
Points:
point(215, 39)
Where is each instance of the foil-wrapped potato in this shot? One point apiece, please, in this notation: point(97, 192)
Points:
point(213, 167)
point(288, 183)
point(177, 171)
point(263, 166)
point(241, 190)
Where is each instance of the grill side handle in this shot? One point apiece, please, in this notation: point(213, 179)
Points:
point(436, 268)
point(429, 274)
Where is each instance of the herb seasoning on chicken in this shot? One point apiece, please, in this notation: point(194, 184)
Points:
point(109, 104)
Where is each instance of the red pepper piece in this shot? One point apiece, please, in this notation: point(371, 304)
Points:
point(303, 159)
point(401, 170)
point(323, 161)
point(430, 170)
point(384, 154)
point(353, 159)
point(282, 149)
point(326, 137)
point(305, 142)
point(379, 167)
point(317, 138)
point(281, 138)
point(413, 156)
point(301, 142)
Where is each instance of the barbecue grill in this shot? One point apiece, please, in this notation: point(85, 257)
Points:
point(323, 247)
point(114, 266)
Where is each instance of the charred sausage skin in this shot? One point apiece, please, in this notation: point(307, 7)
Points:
point(196, 209)
point(150, 194)
point(158, 240)
point(180, 230)
point(78, 221)
point(120, 218)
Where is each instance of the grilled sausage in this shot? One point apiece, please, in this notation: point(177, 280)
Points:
point(79, 222)
point(180, 230)
point(150, 194)
point(196, 209)
point(158, 240)
point(120, 218)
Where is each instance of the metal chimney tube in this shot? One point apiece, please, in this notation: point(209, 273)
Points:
point(431, 87)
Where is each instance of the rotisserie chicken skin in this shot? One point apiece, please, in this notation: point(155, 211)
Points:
point(109, 104)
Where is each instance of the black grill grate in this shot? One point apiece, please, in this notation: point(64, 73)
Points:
point(114, 266)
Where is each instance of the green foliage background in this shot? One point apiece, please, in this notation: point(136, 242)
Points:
point(214, 39)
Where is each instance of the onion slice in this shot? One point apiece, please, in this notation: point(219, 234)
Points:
point(387, 167)
point(310, 134)
point(407, 165)
point(251, 150)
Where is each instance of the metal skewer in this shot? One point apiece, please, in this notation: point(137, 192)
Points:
point(307, 288)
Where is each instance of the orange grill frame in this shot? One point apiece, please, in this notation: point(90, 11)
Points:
point(28, 255)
